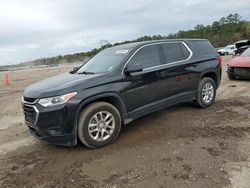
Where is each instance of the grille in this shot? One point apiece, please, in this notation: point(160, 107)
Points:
point(29, 114)
point(242, 71)
point(30, 100)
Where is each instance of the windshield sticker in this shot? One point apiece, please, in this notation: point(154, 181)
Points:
point(121, 51)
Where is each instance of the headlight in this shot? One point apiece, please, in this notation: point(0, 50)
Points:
point(53, 101)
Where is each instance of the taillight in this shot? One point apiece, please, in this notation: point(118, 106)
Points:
point(218, 59)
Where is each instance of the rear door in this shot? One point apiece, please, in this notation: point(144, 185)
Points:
point(181, 77)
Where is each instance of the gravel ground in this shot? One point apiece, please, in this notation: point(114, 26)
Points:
point(181, 146)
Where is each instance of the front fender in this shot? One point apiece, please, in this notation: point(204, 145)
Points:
point(94, 98)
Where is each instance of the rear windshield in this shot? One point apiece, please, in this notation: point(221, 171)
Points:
point(246, 53)
point(204, 48)
point(105, 61)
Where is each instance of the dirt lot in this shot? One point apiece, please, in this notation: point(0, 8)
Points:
point(181, 146)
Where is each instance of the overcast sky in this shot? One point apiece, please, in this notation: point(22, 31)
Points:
point(31, 29)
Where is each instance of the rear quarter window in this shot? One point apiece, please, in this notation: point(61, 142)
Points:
point(204, 48)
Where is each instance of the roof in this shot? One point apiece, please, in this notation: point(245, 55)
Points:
point(138, 44)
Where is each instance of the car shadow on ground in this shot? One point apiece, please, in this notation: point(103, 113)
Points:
point(138, 130)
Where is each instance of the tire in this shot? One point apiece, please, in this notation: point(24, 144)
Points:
point(231, 77)
point(91, 122)
point(200, 101)
point(226, 53)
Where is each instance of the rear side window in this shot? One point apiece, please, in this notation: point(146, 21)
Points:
point(174, 52)
point(204, 48)
point(147, 57)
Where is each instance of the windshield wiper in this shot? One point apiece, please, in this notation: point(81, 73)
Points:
point(86, 72)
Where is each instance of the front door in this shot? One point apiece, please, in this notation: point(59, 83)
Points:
point(144, 87)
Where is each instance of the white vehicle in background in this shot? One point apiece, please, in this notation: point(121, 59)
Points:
point(227, 50)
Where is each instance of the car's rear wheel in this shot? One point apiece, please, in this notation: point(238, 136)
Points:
point(99, 125)
point(206, 93)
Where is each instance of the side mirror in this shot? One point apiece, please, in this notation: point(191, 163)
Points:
point(133, 68)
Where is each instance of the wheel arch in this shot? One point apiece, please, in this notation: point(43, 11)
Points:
point(211, 74)
point(111, 98)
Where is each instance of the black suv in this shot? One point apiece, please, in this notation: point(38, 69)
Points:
point(118, 85)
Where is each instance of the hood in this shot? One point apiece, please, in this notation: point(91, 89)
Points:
point(240, 62)
point(59, 85)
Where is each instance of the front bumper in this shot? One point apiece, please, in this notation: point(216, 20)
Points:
point(55, 125)
point(239, 72)
point(63, 139)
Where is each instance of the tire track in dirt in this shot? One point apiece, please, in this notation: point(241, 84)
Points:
point(181, 146)
point(135, 140)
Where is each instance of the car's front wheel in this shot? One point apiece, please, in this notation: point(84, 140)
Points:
point(99, 125)
point(206, 93)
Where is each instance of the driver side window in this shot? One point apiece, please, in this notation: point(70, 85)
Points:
point(146, 57)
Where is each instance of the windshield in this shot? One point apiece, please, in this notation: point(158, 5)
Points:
point(105, 61)
point(246, 53)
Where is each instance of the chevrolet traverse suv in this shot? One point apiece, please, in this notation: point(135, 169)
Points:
point(119, 85)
